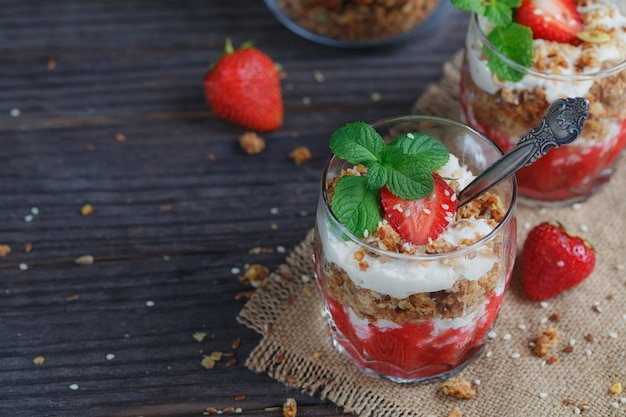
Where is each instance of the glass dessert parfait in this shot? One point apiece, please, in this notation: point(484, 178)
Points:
point(506, 105)
point(412, 287)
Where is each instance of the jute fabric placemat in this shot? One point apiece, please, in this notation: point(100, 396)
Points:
point(509, 379)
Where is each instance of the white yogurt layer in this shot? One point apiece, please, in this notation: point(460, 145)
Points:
point(400, 276)
point(604, 15)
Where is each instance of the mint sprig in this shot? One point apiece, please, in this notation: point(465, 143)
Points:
point(405, 166)
point(512, 39)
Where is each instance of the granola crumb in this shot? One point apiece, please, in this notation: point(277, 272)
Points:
point(120, 137)
point(39, 360)
point(255, 274)
point(28, 247)
point(5, 250)
point(208, 362)
point(545, 341)
point(290, 408)
point(251, 143)
point(87, 210)
point(616, 388)
point(199, 336)
point(300, 155)
point(458, 388)
point(455, 412)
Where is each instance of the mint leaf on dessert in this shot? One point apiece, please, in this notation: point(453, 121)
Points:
point(376, 175)
point(408, 178)
point(356, 205)
point(516, 43)
point(499, 12)
point(357, 143)
point(430, 152)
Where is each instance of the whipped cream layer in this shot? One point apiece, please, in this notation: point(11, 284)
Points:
point(401, 276)
point(603, 15)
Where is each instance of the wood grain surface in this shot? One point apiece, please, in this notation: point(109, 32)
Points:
point(101, 103)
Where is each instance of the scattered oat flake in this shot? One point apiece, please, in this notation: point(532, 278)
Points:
point(5, 250)
point(616, 388)
point(274, 210)
point(306, 100)
point(319, 77)
point(208, 362)
point(84, 260)
point(300, 155)
point(87, 210)
point(251, 143)
point(199, 336)
point(458, 388)
point(290, 408)
point(39, 360)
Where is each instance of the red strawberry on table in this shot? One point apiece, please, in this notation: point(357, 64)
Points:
point(554, 260)
point(243, 88)
point(420, 220)
point(552, 20)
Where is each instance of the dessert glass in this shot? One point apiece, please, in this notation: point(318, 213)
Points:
point(506, 111)
point(358, 25)
point(415, 318)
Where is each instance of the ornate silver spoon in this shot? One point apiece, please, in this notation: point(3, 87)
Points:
point(561, 125)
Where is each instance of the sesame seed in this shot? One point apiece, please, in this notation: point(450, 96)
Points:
point(624, 316)
point(560, 264)
point(306, 100)
point(110, 356)
point(305, 278)
point(34, 210)
point(425, 210)
point(234, 270)
point(407, 213)
point(577, 206)
point(28, 218)
point(274, 210)
point(615, 404)
point(398, 208)
point(375, 96)
point(149, 303)
point(588, 352)
point(446, 193)
point(544, 304)
point(572, 342)
point(477, 381)
point(543, 320)
point(74, 387)
point(15, 112)
point(521, 326)
point(489, 354)
point(281, 249)
point(613, 335)
point(584, 228)
point(453, 198)
point(23, 267)
point(507, 336)
point(410, 136)
point(543, 395)
point(492, 335)
point(445, 206)
point(319, 77)
point(527, 226)
point(576, 410)
point(515, 355)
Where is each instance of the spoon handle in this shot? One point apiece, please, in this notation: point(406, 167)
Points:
point(561, 125)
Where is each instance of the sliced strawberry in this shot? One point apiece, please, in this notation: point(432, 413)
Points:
point(552, 20)
point(418, 221)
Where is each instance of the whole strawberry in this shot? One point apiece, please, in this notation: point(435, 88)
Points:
point(243, 88)
point(554, 260)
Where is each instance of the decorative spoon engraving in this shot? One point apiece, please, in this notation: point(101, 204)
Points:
point(561, 125)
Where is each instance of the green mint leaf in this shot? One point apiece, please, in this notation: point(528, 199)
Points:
point(356, 205)
point(357, 143)
point(515, 42)
point(431, 153)
point(408, 177)
point(499, 12)
point(376, 175)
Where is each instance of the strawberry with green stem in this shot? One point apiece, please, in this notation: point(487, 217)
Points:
point(399, 184)
point(243, 87)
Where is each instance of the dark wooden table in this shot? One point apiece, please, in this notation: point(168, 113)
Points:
point(101, 103)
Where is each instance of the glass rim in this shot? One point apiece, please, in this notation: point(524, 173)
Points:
point(531, 71)
point(508, 217)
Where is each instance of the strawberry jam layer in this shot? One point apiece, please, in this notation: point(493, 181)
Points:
point(566, 174)
point(412, 351)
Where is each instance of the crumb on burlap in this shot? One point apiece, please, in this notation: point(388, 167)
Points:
point(455, 412)
point(300, 155)
point(616, 388)
point(458, 388)
point(545, 341)
point(290, 408)
point(251, 143)
point(255, 274)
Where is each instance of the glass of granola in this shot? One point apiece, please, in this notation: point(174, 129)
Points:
point(412, 283)
point(359, 23)
point(505, 90)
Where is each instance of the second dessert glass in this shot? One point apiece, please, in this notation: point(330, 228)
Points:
point(422, 317)
point(505, 111)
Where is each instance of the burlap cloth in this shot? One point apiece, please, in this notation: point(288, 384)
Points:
point(296, 348)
